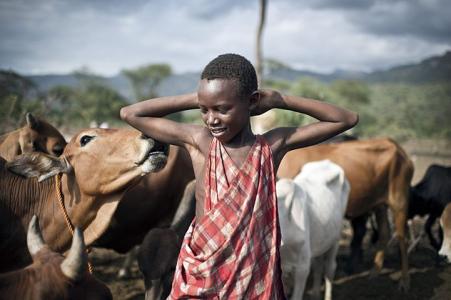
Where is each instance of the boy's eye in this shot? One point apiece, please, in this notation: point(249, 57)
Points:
point(223, 110)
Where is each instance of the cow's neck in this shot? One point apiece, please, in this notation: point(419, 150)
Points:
point(90, 213)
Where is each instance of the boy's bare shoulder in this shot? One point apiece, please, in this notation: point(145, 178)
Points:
point(201, 140)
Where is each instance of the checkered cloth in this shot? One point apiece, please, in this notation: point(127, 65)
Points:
point(232, 252)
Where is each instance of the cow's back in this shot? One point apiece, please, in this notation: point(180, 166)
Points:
point(366, 163)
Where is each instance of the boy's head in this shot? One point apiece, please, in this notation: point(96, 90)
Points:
point(235, 67)
point(226, 94)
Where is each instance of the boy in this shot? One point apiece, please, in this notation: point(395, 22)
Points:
point(231, 250)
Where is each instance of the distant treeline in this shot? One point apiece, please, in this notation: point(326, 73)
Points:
point(397, 110)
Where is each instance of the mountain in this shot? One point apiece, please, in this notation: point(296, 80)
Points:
point(430, 70)
point(433, 69)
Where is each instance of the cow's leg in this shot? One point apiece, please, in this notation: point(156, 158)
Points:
point(384, 236)
point(130, 257)
point(166, 284)
point(428, 228)
point(318, 264)
point(330, 266)
point(359, 230)
point(153, 290)
point(400, 218)
point(302, 271)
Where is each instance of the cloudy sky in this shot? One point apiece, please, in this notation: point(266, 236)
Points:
point(59, 36)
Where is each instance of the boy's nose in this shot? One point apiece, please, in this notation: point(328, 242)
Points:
point(212, 120)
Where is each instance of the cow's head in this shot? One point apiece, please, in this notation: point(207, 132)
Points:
point(38, 135)
point(445, 223)
point(102, 161)
point(52, 276)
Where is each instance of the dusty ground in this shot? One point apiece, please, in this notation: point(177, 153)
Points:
point(429, 280)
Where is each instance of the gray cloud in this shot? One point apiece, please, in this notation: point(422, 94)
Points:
point(63, 35)
point(429, 20)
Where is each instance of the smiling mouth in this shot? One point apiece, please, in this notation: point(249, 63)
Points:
point(217, 130)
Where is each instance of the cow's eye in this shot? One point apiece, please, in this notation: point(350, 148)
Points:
point(85, 139)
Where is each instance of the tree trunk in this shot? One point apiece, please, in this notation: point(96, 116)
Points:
point(258, 50)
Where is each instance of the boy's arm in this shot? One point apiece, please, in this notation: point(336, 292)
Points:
point(332, 120)
point(147, 117)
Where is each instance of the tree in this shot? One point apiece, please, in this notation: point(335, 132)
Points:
point(258, 47)
point(146, 79)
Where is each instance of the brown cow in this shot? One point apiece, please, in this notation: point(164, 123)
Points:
point(151, 203)
point(379, 172)
point(51, 276)
point(97, 167)
point(37, 135)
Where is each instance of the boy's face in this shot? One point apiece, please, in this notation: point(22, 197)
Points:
point(223, 111)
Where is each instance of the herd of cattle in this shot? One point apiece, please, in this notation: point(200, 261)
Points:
point(116, 189)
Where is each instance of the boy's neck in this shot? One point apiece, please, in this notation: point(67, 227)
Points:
point(244, 138)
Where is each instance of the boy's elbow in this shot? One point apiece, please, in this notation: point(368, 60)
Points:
point(125, 113)
point(352, 120)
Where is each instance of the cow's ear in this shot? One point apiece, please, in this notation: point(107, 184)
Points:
point(39, 165)
point(32, 122)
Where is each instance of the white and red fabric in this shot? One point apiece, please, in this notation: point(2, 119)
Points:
point(232, 252)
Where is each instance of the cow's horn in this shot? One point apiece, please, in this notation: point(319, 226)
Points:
point(75, 264)
point(35, 241)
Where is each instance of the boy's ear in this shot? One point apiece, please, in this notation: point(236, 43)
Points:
point(254, 99)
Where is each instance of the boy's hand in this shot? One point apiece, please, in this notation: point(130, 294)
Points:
point(268, 99)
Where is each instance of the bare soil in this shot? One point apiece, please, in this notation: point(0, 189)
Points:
point(429, 279)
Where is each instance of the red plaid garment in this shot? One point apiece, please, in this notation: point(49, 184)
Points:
point(232, 252)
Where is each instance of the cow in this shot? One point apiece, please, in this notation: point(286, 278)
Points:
point(379, 172)
point(157, 255)
point(430, 196)
point(445, 223)
point(36, 135)
point(311, 212)
point(52, 276)
point(88, 179)
point(152, 203)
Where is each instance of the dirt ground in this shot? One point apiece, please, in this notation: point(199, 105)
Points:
point(429, 279)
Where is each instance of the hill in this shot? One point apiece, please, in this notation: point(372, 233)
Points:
point(430, 70)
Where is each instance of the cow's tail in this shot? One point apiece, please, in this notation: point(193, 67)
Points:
point(400, 176)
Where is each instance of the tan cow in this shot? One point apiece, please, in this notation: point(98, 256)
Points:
point(379, 172)
point(36, 135)
point(51, 276)
point(445, 223)
point(151, 203)
point(97, 167)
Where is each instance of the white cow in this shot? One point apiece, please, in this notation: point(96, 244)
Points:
point(311, 212)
